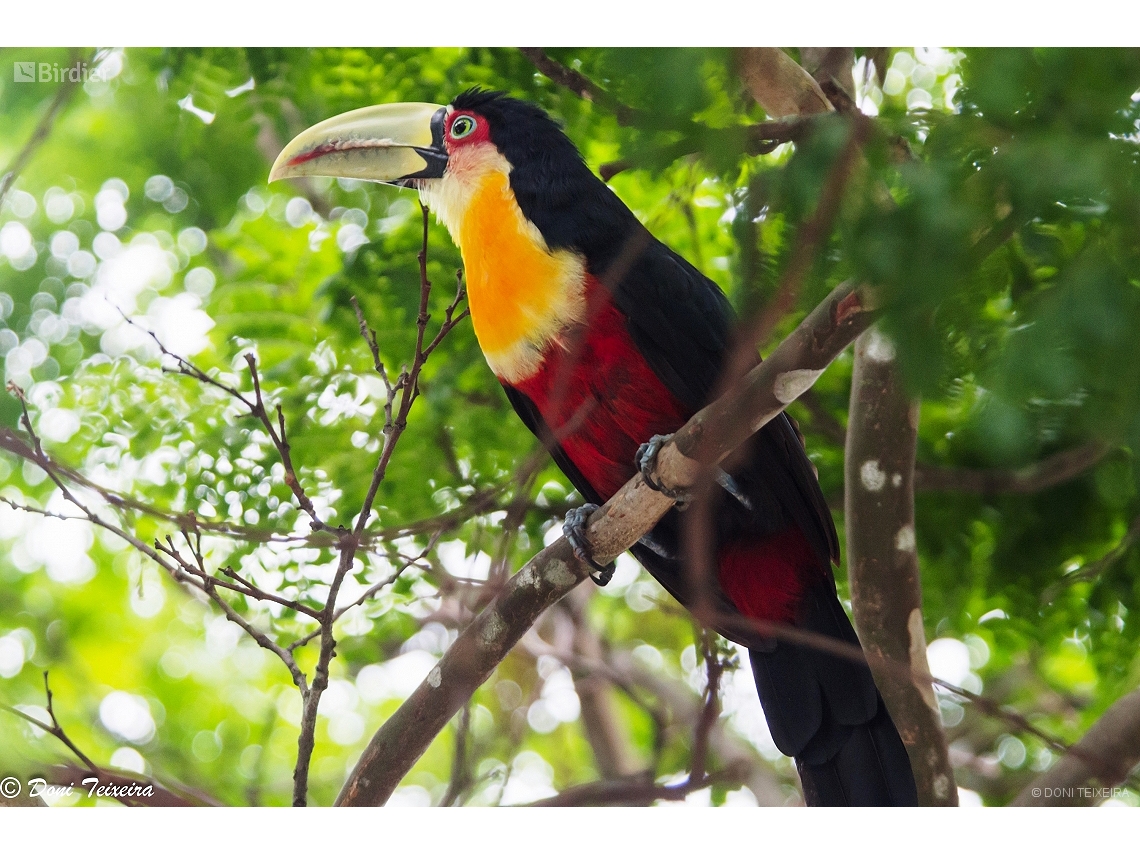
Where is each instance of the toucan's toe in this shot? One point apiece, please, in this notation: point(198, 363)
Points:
point(646, 462)
point(574, 529)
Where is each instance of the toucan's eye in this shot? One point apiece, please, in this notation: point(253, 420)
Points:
point(462, 127)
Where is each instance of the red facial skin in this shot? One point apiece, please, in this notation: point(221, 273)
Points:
point(481, 134)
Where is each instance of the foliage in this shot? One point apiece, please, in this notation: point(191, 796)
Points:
point(1007, 247)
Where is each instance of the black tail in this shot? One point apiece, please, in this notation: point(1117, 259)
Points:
point(827, 713)
point(870, 769)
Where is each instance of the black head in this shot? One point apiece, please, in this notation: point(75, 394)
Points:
point(555, 189)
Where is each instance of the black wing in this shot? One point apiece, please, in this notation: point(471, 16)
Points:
point(682, 323)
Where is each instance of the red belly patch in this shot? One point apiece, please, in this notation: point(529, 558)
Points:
point(765, 579)
point(610, 396)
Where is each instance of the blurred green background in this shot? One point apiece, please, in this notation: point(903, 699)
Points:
point(1009, 248)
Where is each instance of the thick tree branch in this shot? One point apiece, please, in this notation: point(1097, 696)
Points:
point(1041, 475)
point(1107, 753)
point(709, 436)
point(882, 561)
point(779, 84)
point(830, 65)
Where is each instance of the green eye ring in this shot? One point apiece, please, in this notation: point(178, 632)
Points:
point(462, 127)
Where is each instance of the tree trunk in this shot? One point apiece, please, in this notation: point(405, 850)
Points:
point(882, 563)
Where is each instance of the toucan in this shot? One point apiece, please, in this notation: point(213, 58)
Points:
point(604, 338)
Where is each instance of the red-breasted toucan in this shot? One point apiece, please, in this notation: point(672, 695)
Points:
point(603, 337)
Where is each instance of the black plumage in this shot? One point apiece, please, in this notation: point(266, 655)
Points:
point(822, 709)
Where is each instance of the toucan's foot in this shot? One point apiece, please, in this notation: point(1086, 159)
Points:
point(646, 462)
point(574, 528)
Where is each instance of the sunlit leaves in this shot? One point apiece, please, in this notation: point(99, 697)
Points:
point(1005, 248)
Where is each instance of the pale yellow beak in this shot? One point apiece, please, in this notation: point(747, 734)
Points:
point(388, 142)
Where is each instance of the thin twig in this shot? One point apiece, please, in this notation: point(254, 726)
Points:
point(406, 388)
point(714, 668)
point(585, 88)
point(56, 730)
point(256, 409)
point(1041, 475)
point(1095, 568)
point(43, 129)
point(639, 790)
point(460, 772)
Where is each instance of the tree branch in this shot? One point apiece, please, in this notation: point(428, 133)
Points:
point(1041, 475)
point(546, 578)
point(42, 130)
point(1034, 477)
point(642, 790)
point(56, 730)
point(191, 570)
point(832, 65)
point(882, 561)
point(579, 83)
point(779, 84)
point(1106, 753)
point(759, 138)
point(407, 389)
point(601, 723)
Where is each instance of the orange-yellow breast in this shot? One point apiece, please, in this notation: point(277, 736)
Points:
point(521, 294)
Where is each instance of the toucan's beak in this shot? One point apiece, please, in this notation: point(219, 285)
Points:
point(388, 142)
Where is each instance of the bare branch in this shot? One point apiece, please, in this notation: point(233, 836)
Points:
point(63, 95)
point(601, 724)
point(882, 560)
point(642, 790)
point(256, 409)
point(56, 730)
point(760, 395)
point(810, 238)
point(396, 422)
point(714, 668)
point(1041, 475)
point(585, 88)
point(460, 771)
point(834, 65)
point(1095, 568)
point(1113, 746)
point(759, 138)
point(779, 84)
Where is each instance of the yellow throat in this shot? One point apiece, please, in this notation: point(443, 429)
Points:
point(521, 294)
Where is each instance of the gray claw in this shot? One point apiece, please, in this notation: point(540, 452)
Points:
point(646, 462)
point(574, 529)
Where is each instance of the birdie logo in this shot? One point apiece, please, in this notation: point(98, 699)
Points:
point(53, 72)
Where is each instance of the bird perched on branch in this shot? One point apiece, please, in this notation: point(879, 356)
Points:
point(603, 337)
